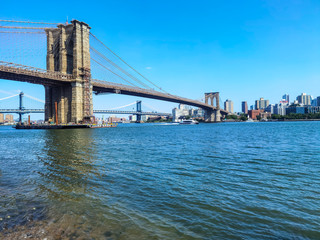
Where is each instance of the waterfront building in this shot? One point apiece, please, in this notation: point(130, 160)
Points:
point(314, 102)
point(244, 107)
point(280, 108)
point(312, 109)
point(228, 105)
point(254, 113)
point(1, 118)
point(265, 115)
point(179, 112)
point(261, 104)
point(270, 109)
point(295, 109)
point(112, 119)
point(197, 113)
point(304, 99)
point(9, 118)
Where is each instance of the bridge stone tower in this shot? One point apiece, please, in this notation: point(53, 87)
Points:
point(68, 51)
point(213, 115)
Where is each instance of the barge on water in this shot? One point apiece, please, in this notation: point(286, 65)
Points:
point(62, 126)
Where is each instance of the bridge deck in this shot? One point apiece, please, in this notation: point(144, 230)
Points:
point(17, 72)
point(21, 73)
point(26, 111)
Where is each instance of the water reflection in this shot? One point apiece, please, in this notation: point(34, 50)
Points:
point(68, 164)
point(69, 177)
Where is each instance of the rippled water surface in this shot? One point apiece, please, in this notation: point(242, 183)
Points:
point(141, 181)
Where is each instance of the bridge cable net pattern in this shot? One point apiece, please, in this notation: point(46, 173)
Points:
point(107, 65)
point(23, 42)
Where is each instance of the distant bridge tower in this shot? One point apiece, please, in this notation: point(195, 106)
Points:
point(214, 114)
point(68, 52)
point(139, 110)
point(21, 105)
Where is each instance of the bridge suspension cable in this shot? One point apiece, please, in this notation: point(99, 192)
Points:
point(152, 108)
point(119, 68)
point(23, 32)
point(14, 27)
point(34, 98)
point(113, 72)
point(123, 106)
point(13, 21)
point(9, 97)
point(127, 64)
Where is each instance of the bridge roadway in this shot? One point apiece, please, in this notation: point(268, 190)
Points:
point(17, 72)
point(26, 111)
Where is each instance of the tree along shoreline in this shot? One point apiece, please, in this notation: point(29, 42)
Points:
point(277, 117)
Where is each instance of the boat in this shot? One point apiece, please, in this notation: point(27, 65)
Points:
point(187, 122)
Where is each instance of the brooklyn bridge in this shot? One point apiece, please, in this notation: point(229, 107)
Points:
point(68, 78)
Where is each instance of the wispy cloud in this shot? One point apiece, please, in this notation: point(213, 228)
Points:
point(148, 68)
point(5, 92)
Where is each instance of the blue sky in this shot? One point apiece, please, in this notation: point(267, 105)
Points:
point(243, 49)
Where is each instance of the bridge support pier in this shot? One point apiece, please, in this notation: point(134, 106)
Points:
point(139, 110)
point(212, 116)
point(68, 52)
point(21, 106)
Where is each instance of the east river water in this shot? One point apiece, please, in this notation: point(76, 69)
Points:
point(144, 181)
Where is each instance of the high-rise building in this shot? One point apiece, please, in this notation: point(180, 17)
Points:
point(244, 107)
point(1, 118)
point(261, 104)
point(314, 102)
point(304, 99)
point(286, 98)
point(228, 105)
point(270, 109)
point(280, 108)
point(180, 112)
point(318, 101)
point(256, 105)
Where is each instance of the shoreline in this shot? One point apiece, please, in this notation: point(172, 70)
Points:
point(279, 120)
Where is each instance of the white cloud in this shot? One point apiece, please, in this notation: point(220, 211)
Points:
point(5, 92)
point(148, 67)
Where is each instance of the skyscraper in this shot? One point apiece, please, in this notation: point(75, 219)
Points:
point(244, 107)
point(228, 105)
point(261, 104)
point(304, 99)
point(286, 98)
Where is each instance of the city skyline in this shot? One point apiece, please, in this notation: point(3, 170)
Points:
point(209, 52)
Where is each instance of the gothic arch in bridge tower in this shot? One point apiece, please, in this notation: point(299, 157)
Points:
point(214, 98)
point(68, 52)
point(213, 115)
